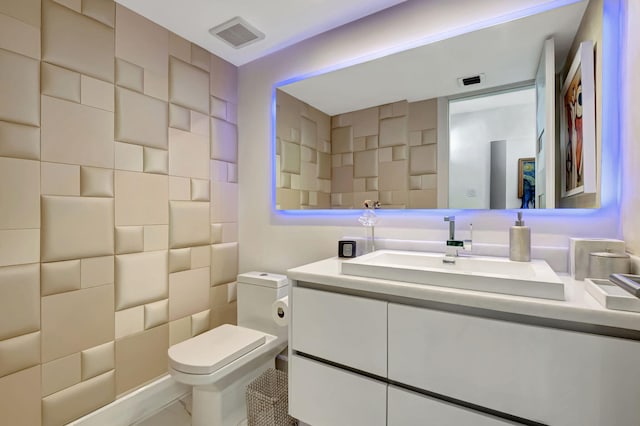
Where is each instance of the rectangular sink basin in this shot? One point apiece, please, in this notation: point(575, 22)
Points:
point(492, 274)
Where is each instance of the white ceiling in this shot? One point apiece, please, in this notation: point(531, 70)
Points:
point(500, 100)
point(507, 53)
point(284, 22)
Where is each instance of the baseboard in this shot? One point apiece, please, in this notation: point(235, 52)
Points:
point(137, 405)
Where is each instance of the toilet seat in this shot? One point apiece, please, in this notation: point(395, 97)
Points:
point(212, 350)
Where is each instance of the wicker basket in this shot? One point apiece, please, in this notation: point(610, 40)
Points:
point(268, 400)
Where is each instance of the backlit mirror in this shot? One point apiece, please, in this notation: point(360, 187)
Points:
point(503, 117)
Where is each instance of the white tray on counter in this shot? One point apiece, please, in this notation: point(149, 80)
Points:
point(611, 296)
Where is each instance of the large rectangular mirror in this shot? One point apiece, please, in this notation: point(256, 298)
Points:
point(503, 117)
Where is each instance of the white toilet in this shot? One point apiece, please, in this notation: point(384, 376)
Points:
point(220, 363)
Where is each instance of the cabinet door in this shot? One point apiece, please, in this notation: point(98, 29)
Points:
point(547, 375)
point(406, 408)
point(344, 329)
point(321, 395)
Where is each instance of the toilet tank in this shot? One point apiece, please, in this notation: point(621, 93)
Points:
point(256, 293)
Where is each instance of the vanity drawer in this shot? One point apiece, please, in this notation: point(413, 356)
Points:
point(406, 408)
point(344, 329)
point(321, 395)
point(547, 375)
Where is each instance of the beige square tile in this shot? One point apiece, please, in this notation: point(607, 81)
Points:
point(224, 141)
point(423, 114)
point(76, 401)
point(101, 10)
point(60, 82)
point(27, 11)
point(415, 182)
point(188, 86)
point(399, 152)
point(156, 314)
point(141, 199)
point(188, 154)
point(423, 199)
point(129, 239)
point(129, 75)
point(179, 330)
point(385, 154)
point(95, 182)
point(141, 357)
point(287, 199)
point(342, 140)
point(216, 233)
point(188, 292)
point(429, 136)
point(219, 295)
point(179, 188)
point(77, 42)
point(179, 47)
point(61, 374)
point(385, 197)
point(308, 133)
point(98, 360)
point(324, 166)
point(19, 86)
point(359, 185)
point(179, 118)
point(140, 119)
point(140, 278)
point(218, 108)
point(393, 176)
point(336, 160)
point(128, 157)
point(428, 182)
point(156, 237)
point(19, 353)
point(19, 246)
point(96, 271)
point(393, 131)
point(20, 312)
point(200, 57)
point(18, 141)
point(372, 184)
point(371, 142)
point(224, 263)
point(179, 259)
point(200, 123)
point(415, 138)
point(342, 179)
point(227, 314)
point(141, 42)
point(365, 163)
point(75, 321)
point(156, 85)
point(400, 108)
point(365, 122)
point(359, 144)
point(290, 157)
point(200, 257)
point(189, 224)
point(59, 179)
point(129, 321)
point(224, 79)
point(224, 202)
point(400, 198)
point(156, 161)
point(96, 93)
point(423, 160)
point(200, 190)
point(347, 159)
point(200, 322)
point(20, 397)
point(74, 227)
point(76, 134)
point(19, 192)
point(59, 277)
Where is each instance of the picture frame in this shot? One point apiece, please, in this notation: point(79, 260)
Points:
point(526, 170)
point(578, 125)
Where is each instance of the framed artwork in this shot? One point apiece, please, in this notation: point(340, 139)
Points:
point(578, 125)
point(527, 182)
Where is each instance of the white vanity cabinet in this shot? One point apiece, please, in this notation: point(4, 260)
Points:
point(356, 360)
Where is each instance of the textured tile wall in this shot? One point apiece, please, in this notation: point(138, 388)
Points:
point(118, 203)
point(386, 153)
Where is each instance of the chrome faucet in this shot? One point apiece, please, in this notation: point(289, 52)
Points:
point(454, 245)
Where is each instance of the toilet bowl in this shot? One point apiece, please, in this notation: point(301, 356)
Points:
point(220, 363)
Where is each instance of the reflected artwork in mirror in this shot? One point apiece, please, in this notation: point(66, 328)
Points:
point(443, 125)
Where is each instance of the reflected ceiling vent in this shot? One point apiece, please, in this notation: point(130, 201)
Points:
point(471, 80)
point(237, 32)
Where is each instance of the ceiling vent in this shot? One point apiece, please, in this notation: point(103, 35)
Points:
point(237, 32)
point(471, 80)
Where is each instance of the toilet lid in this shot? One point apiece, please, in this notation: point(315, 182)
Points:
point(214, 349)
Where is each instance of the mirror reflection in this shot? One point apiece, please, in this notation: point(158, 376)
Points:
point(476, 121)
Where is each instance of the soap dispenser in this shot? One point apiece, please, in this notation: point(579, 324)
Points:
point(520, 241)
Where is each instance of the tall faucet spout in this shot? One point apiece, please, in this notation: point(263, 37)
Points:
point(452, 226)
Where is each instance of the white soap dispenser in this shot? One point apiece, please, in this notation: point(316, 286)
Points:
point(520, 241)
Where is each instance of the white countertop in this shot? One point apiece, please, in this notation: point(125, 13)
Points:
point(579, 305)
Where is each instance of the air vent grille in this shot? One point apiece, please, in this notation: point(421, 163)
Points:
point(471, 80)
point(237, 32)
